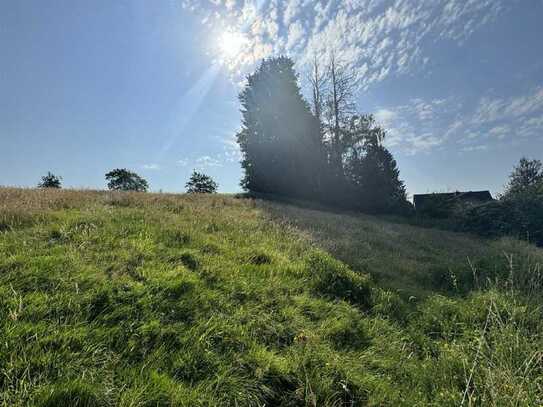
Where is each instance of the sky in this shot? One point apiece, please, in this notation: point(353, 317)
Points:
point(88, 86)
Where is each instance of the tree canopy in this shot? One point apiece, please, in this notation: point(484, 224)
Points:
point(279, 136)
point(121, 179)
point(50, 181)
point(527, 174)
point(329, 153)
point(201, 183)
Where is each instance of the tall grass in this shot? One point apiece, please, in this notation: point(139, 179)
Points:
point(160, 300)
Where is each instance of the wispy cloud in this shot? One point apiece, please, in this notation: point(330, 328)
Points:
point(151, 167)
point(207, 161)
point(424, 125)
point(506, 118)
point(380, 39)
point(385, 117)
point(232, 152)
point(480, 147)
point(377, 37)
point(418, 126)
point(491, 110)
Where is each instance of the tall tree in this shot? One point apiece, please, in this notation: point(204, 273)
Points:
point(287, 150)
point(279, 138)
point(318, 81)
point(340, 107)
point(371, 170)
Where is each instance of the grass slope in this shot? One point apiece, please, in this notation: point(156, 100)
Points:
point(412, 260)
point(121, 299)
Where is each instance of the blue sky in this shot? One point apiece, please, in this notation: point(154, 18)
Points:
point(152, 86)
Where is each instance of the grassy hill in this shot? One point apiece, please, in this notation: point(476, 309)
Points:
point(119, 299)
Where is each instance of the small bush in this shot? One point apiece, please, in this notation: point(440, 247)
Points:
point(201, 184)
point(520, 216)
point(50, 181)
point(440, 318)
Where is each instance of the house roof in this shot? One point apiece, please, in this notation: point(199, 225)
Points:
point(423, 199)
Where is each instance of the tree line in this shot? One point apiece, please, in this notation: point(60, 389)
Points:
point(518, 211)
point(121, 179)
point(326, 150)
point(323, 150)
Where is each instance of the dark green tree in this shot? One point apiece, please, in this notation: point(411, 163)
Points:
point(50, 181)
point(370, 168)
point(528, 174)
point(279, 138)
point(333, 155)
point(201, 183)
point(125, 180)
point(518, 212)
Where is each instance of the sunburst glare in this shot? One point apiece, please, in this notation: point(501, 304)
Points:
point(231, 45)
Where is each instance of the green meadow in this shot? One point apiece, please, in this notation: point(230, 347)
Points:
point(134, 299)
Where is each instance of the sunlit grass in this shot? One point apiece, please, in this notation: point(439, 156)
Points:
point(156, 300)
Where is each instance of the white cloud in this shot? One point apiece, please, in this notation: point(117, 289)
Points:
point(293, 7)
point(207, 161)
point(424, 125)
point(505, 118)
point(151, 167)
point(386, 37)
point(182, 162)
point(491, 110)
point(480, 147)
point(380, 39)
point(295, 35)
point(532, 127)
point(232, 152)
point(417, 126)
point(385, 117)
point(499, 132)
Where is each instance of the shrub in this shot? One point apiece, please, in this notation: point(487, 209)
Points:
point(520, 215)
point(201, 184)
point(50, 181)
point(125, 180)
point(519, 212)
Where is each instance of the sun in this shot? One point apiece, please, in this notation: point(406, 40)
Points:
point(231, 44)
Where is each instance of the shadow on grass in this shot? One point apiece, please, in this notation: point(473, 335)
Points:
point(412, 259)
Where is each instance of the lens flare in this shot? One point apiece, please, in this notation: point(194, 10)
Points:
point(231, 44)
